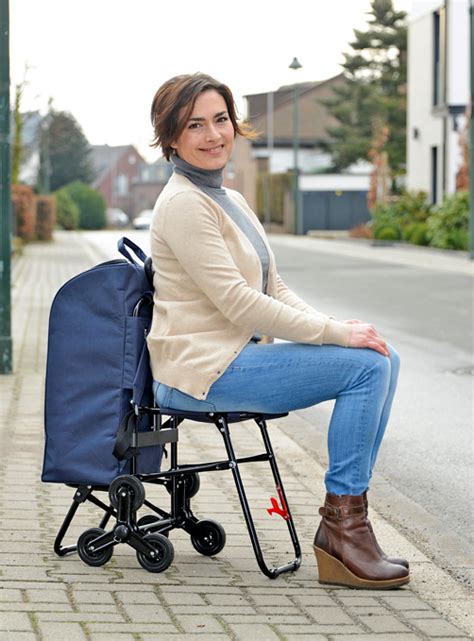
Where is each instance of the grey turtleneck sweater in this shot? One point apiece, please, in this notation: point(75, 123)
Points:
point(210, 182)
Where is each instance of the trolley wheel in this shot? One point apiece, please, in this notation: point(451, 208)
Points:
point(208, 537)
point(84, 548)
point(164, 552)
point(128, 482)
point(149, 519)
point(192, 483)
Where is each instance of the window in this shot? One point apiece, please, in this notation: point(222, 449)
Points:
point(121, 183)
point(434, 175)
point(439, 48)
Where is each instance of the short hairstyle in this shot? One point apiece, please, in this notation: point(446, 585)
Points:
point(180, 93)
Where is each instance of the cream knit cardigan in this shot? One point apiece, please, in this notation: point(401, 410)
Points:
point(208, 301)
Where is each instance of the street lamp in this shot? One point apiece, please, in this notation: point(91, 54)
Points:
point(296, 143)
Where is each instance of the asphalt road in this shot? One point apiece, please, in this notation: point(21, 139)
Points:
point(424, 479)
point(427, 454)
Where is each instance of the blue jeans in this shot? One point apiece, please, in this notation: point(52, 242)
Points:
point(282, 377)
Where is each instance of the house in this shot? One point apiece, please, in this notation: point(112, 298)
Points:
point(340, 202)
point(148, 183)
point(271, 114)
point(126, 180)
point(438, 94)
point(115, 169)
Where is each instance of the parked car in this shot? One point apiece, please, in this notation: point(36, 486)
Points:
point(116, 218)
point(143, 220)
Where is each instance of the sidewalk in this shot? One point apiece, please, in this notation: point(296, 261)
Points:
point(47, 598)
point(445, 260)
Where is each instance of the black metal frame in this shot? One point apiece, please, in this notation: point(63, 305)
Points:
point(180, 514)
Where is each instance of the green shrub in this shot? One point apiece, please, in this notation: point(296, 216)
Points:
point(386, 225)
point(45, 217)
point(67, 212)
point(387, 232)
point(416, 233)
point(448, 224)
point(403, 218)
point(91, 205)
point(412, 206)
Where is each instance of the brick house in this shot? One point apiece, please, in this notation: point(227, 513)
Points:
point(126, 180)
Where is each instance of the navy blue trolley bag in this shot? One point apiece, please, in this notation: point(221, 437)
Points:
point(104, 433)
point(97, 371)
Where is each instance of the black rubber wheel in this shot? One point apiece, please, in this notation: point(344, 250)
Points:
point(150, 519)
point(208, 538)
point(89, 556)
point(164, 553)
point(192, 483)
point(127, 482)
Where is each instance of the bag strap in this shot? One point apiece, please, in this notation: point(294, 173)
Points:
point(124, 435)
point(125, 242)
point(127, 441)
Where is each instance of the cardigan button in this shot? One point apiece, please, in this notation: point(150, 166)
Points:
point(219, 372)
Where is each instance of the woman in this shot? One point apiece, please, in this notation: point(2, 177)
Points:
point(220, 302)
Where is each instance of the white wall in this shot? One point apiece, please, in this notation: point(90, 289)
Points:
point(334, 182)
point(281, 160)
point(458, 52)
point(421, 115)
point(420, 107)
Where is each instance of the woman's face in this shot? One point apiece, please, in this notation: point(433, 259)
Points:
point(207, 139)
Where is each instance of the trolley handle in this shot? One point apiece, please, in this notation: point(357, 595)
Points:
point(125, 242)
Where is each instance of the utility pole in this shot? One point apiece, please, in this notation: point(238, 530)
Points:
point(5, 197)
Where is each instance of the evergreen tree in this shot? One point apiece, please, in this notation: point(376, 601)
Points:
point(64, 152)
point(374, 91)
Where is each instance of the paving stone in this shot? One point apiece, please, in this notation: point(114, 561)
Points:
point(379, 637)
point(199, 624)
point(244, 632)
point(277, 600)
point(15, 621)
point(47, 596)
point(183, 598)
point(35, 607)
point(93, 596)
point(10, 595)
point(80, 617)
point(146, 613)
point(437, 628)
point(143, 597)
point(63, 630)
point(334, 616)
point(115, 636)
point(236, 611)
point(385, 623)
point(189, 637)
point(227, 599)
point(133, 628)
point(18, 636)
point(407, 602)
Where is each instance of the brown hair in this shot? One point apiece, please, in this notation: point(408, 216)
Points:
point(180, 93)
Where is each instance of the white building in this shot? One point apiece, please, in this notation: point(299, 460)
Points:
point(438, 94)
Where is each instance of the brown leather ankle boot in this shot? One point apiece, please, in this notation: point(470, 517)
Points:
point(345, 550)
point(390, 559)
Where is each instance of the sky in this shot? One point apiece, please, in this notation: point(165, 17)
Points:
point(103, 60)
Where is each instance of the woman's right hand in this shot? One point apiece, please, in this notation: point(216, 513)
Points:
point(365, 335)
